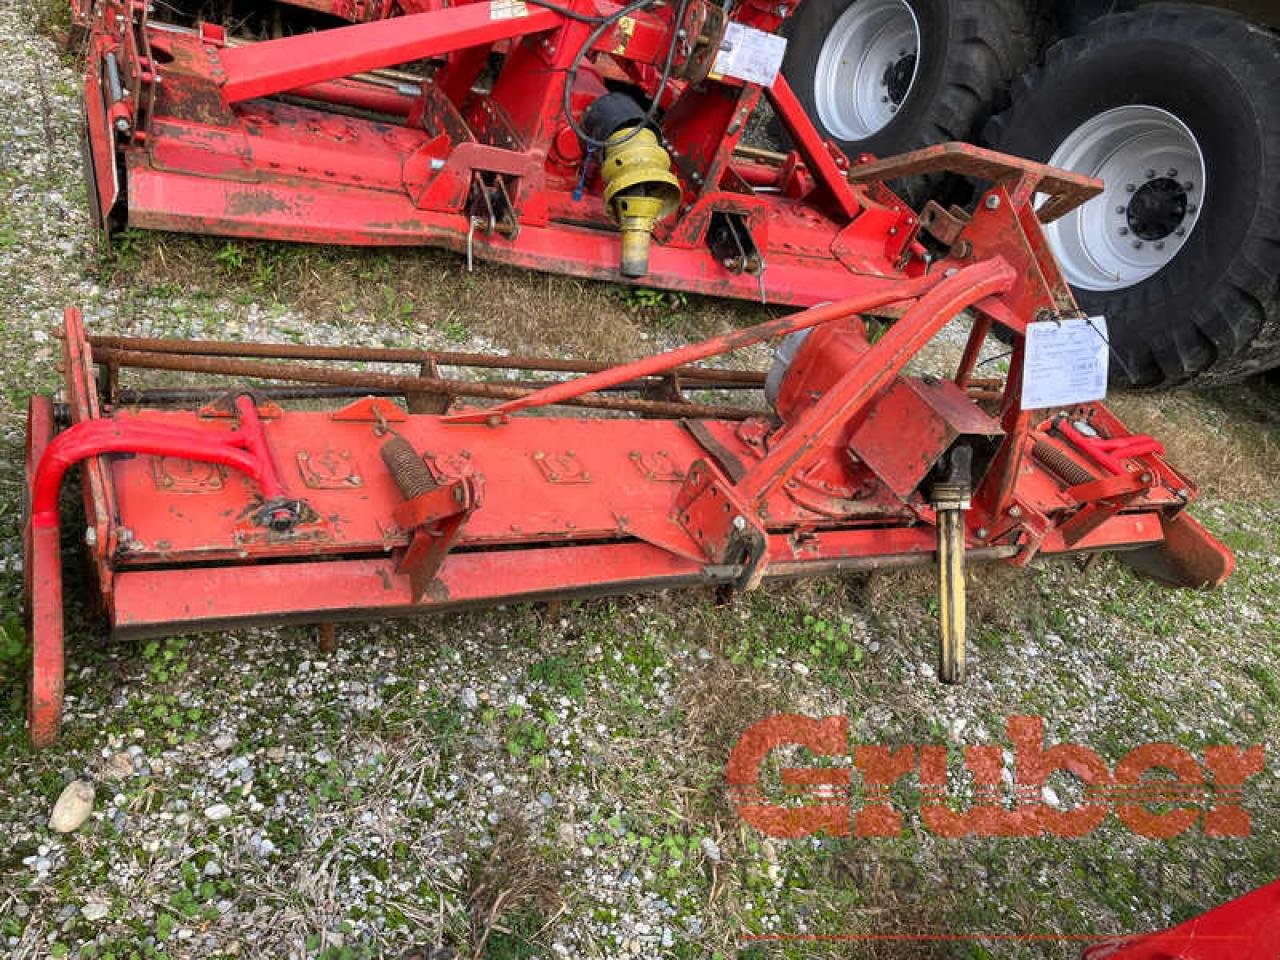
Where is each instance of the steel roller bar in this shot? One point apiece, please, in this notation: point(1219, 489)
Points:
point(226, 366)
point(444, 358)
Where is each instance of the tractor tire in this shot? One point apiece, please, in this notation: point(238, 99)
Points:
point(1175, 107)
point(888, 76)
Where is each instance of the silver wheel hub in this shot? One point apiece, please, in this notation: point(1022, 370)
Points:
point(1154, 173)
point(866, 67)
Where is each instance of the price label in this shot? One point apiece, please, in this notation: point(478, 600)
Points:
point(507, 9)
point(750, 55)
point(1065, 363)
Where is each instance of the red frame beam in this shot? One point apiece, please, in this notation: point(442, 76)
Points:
point(278, 66)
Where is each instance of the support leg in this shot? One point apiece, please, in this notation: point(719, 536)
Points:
point(951, 488)
point(42, 569)
point(951, 599)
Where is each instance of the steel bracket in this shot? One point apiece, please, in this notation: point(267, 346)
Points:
point(710, 510)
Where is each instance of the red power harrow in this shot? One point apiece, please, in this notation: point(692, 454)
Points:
point(412, 497)
point(490, 128)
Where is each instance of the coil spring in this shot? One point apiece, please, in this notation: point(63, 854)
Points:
point(1060, 464)
point(411, 474)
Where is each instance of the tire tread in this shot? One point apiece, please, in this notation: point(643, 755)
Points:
point(1235, 330)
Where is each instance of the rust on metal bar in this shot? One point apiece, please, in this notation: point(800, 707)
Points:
point(1065, 190)
point(228, 366)
point(444, 358)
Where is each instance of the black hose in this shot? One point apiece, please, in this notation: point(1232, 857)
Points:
point(596, 34)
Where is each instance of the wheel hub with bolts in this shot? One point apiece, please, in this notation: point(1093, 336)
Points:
point(897, 78)
point(1154, 171)
point(1157, 208)
point(866, 67)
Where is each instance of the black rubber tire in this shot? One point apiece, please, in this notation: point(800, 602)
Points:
point(970, 50)
point(1212, 314)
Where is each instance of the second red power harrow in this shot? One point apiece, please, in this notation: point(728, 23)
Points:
point(594, 139)
point(420, 492)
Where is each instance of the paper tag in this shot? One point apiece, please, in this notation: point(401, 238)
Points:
point(750, 55)
point(1065, 363)
point(507, 9)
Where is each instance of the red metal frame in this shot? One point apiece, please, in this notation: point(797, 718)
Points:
point(190, 130)
point(1244, 929)
point(316, 521)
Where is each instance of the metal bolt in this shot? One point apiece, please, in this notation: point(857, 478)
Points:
point(1192, 208)
point(1159, 244)
point(1188, 185)
point(1173, 172)
point(1181, 231)
point(122, 124)
point(982, 533)
point(1124, 231)
point(1137, 244)
point(1129, 188)
point(739, 522)
point(91, 536)
point(992, 202)
point(884, 99)
point(1015, 511)
point(1151, 174)
point(1121, 209)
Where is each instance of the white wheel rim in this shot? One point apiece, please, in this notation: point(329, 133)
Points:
point(1155, 193)
point(867, 67)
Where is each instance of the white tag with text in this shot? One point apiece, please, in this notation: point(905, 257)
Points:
point(1065, 363)
point(750, 55)
point(507, 9)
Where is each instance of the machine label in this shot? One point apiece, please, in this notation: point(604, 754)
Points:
point(507, 9)
point(750, 55)
point(1066, 362)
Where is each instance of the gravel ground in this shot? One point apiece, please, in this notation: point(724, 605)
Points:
point(548, 782)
